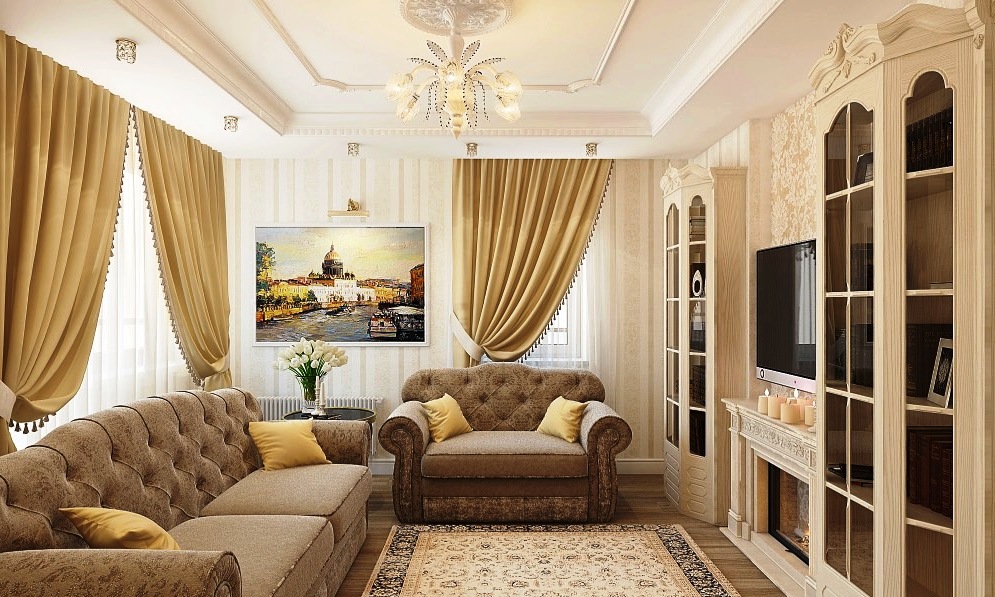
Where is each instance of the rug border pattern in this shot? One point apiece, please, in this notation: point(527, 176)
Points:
point(388, 576)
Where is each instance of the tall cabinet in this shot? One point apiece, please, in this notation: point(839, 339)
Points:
point(905, 240)
point(706, 334)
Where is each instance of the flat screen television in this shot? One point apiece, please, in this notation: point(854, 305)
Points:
point(786, 315)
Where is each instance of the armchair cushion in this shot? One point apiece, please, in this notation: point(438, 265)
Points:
point(267, 547)
point(445, 419)
point(504, 454)
point(562, 419)
point(337, 492)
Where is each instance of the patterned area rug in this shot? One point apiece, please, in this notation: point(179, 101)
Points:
point(544, 561)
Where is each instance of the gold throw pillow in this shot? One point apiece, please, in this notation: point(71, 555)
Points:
point(562, 419)
point(445, 419)
point(104, 528)
point(286, 444)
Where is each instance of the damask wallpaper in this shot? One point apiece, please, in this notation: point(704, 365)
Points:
point(795, 174)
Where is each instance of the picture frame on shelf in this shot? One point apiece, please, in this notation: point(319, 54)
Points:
point(941, 383)
point(864, 170)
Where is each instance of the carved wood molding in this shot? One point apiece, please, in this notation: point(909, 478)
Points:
point(779, 440)
point(674, 178)
point(851, 47)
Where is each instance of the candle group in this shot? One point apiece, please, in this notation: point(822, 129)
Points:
point(792, 411)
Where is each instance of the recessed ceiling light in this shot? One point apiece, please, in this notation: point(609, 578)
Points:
point(353, 150)
point(231, 124)
point(471, 150)
point(592, 150)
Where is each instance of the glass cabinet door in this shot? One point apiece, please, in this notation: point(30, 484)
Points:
point(697, 323)
point(672, 260)
point(847, 403)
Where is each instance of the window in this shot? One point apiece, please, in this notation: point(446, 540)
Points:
point(566, 343)
point(134, 352)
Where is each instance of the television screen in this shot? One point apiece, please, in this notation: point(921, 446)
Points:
point(786, 315)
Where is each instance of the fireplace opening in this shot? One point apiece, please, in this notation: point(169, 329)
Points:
point(787, 511)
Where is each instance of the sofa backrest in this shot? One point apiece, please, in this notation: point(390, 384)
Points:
point(164, 457)
point(503, 396)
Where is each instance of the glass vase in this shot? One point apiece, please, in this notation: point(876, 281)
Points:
point(309, 395)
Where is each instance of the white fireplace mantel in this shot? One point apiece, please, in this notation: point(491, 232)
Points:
point(757, 440)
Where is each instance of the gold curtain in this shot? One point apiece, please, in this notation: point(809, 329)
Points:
point(60, 183)
point(186, 190)
point(520, 228)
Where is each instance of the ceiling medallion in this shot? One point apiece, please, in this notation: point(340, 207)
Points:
point(455, 89)
point(126, 50)
point(472, 17)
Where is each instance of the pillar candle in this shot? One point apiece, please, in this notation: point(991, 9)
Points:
point(790, 414)
point(762, 402)
point(774, 404)
point(810, 415)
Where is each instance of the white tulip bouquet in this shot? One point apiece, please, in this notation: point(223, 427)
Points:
point(309, 361)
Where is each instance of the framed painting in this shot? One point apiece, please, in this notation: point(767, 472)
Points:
point(344, 284)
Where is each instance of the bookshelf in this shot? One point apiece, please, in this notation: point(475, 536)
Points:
point(904, 469)
point(706, 278)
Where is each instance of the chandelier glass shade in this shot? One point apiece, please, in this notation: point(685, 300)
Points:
point(453, 89)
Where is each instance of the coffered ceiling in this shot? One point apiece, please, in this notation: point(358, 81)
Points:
point(643, 78)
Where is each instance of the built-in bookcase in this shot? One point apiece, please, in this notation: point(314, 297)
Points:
point(705, 331)
point(905, 399)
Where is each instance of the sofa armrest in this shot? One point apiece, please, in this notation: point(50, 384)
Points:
point(405, 434)
point(603, 435)
point(100, 572)
point(344, 442)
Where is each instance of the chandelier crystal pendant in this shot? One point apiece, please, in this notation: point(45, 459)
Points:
point(454, 90)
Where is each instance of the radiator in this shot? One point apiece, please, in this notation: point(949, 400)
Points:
point(274, 407)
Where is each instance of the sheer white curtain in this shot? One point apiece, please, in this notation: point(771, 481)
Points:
point(134, 352)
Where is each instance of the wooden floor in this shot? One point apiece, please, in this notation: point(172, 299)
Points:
point(641, 501)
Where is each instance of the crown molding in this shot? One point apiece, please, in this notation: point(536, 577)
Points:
point(180, 29)
point(546, 124)
point(728, 29)
point(319, 79)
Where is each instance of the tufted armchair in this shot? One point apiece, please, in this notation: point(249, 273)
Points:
point(504, 471)
point(184, 460)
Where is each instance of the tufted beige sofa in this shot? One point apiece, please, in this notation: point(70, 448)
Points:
point(184, 460)
point(504, 471)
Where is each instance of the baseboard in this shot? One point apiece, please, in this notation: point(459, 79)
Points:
point(382, 466)
point(640, 466)
point(626, 466)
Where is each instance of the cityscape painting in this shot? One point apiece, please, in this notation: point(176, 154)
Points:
point(341, 284)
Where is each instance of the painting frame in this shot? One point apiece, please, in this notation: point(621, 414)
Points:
point(941, 382)
point(311, 235)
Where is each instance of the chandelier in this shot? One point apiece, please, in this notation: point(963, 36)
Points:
point(453, 89)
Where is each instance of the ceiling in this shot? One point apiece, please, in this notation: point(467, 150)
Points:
point(643, 78)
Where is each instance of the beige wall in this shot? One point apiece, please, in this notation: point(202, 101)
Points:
point(633, 207)
point(419, 191)
point(302, 192)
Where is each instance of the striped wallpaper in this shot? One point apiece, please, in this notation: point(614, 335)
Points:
point(266, 191)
